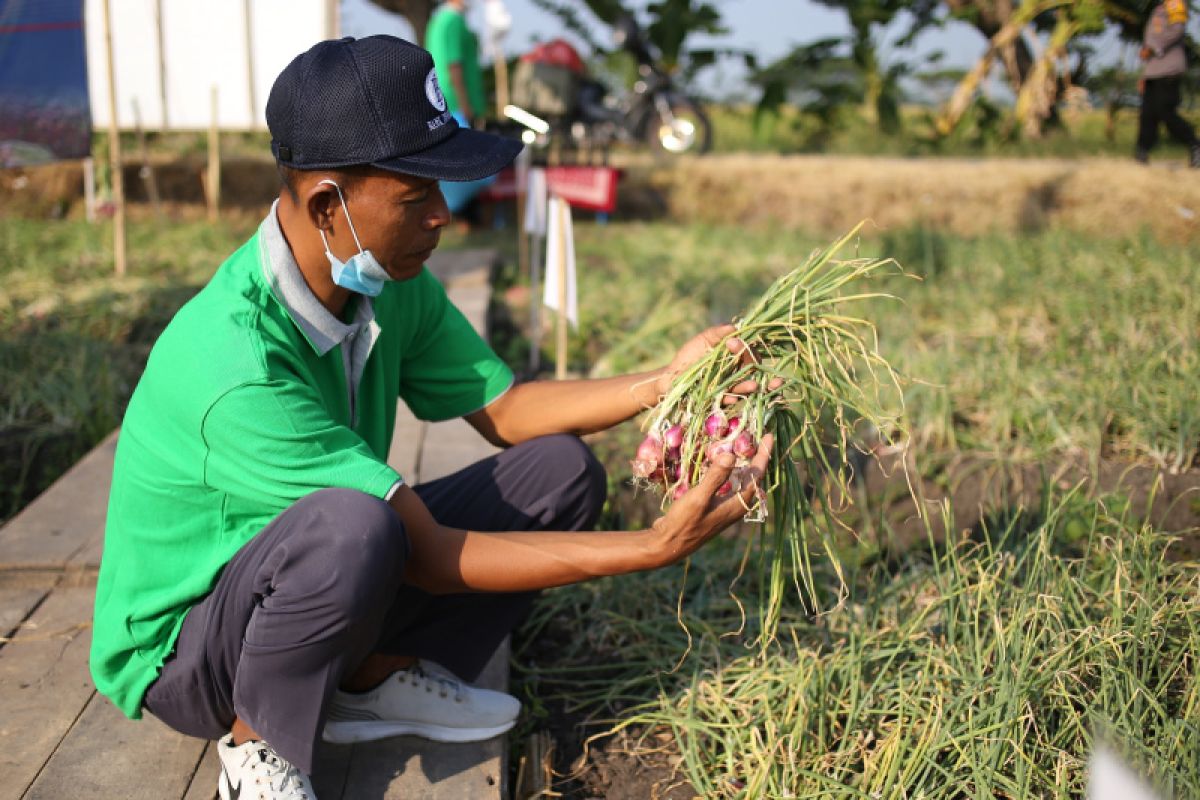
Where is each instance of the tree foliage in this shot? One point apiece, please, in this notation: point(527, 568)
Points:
point(668, 25)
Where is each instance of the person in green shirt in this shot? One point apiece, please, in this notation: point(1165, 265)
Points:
point(455, 51)
point(268, 579)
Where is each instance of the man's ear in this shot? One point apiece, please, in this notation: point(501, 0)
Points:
point(321, 204)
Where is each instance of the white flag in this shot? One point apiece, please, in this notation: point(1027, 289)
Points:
point(535, 202)
point(561, 229)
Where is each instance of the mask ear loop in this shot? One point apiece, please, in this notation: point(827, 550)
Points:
point(353, 232)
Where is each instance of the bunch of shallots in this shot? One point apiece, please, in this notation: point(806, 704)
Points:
point(661, 461)
point(825, 378)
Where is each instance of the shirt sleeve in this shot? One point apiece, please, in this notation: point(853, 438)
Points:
point(453, 41)
point(273, 442)
point(449, 371)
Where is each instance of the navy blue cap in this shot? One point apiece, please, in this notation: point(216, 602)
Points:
point(375, 101)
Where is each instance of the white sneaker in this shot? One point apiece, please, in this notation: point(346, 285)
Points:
point(254, 771)
point(424, 700)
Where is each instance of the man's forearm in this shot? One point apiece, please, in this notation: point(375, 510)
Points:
point(539, 408)
point(447, 560)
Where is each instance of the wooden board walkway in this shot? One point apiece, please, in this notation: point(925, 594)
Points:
point(60, 739)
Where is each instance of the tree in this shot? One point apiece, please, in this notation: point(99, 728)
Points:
point(417, 12)
point(1037, 82)
point(670, 24)
point(880, 89)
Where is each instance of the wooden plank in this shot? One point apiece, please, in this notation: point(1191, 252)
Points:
point(44, 685)
point(65, 518)
point(106, 755)
point(449, 446)
point(406, 766)
point(15, 605)
point(463, 267)
point(406, 444)
point(204, 781)
point(473, 303)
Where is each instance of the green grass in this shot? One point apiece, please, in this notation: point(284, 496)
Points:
point(73, 341)
point(1021, 346)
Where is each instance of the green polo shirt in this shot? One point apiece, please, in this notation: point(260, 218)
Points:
point(450, 41)
point(251, 400)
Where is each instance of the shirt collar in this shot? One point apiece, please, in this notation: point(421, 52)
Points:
point(323, 330)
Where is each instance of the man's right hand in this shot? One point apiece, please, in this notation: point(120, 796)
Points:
point(701, 513)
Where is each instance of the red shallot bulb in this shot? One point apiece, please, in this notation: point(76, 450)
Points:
point(673, 437)
point(716, 425)
point(743, 445)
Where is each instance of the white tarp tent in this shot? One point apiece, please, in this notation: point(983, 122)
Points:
point(168, 54)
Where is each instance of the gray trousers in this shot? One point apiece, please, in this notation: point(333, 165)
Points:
point(320, 588)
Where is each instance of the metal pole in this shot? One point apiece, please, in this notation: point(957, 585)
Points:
point(560, 347)
point(114, 150)
point(522, 170)
point(535, 304)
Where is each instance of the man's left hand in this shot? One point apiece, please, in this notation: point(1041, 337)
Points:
point(697, 347)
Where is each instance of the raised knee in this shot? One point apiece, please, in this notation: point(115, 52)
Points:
point(363, 532)
point(586, 480)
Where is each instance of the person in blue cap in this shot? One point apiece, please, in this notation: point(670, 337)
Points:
point(267, 579)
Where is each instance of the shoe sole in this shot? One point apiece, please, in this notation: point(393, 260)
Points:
point(354, 732)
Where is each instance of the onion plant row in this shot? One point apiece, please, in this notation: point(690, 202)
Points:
point(986, 667)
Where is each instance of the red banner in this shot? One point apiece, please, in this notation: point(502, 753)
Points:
point(589, 188)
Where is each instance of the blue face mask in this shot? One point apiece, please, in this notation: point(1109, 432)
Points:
point(361, 273)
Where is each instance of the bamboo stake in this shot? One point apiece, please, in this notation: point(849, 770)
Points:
point(89, 188)
point(251, 94)
point(114, 150)
point(213, 184)
point(560, 347)
point(500, 65)
point(332, 23)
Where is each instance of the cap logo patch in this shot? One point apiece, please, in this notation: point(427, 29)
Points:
point(434, 91)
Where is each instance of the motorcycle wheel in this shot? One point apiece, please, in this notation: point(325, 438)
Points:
point(688, 132)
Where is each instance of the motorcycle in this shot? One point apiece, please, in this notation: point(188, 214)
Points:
point(554, 96)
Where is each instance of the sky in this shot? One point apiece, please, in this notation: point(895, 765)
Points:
point(767, 27)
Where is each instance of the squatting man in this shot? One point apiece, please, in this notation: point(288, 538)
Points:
point(268, 580)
